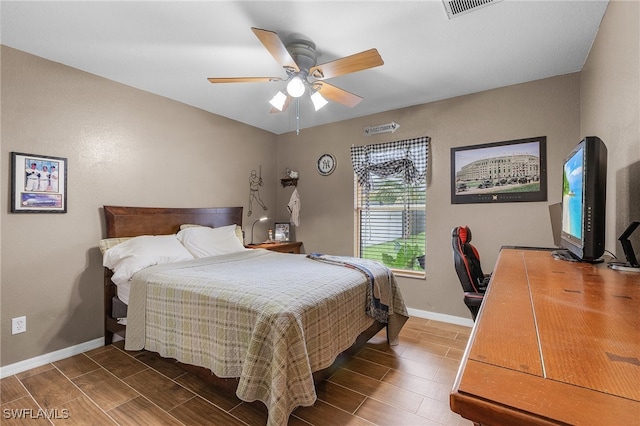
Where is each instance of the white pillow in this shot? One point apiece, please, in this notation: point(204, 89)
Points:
point(131, 256)
point(202, 241)
point(239, 233)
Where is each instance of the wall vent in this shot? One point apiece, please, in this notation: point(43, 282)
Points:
point(460, 7)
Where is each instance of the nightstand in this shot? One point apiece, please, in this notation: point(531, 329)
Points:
point(282, 247)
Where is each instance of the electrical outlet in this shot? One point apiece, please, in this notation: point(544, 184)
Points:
point(18, 325)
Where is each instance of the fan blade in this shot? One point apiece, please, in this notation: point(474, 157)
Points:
point(284, 107)
point(243, 79)
point(337, 94)
point(274, 45)
point(358, 62)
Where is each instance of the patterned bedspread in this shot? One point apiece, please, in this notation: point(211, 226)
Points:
point(270, 319)
point(381, 294)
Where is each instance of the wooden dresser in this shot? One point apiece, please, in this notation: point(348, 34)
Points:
point(282, 247)
point(555, 342)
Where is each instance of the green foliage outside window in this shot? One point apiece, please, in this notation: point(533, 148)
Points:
point(398, 254)
point(395, 208)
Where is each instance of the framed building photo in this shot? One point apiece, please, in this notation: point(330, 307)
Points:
point(500, 172)
point(282, 231)
point(38, 183)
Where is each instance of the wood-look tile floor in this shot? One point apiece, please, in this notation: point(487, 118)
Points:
point(408, 384)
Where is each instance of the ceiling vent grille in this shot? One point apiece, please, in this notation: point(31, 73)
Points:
point(460, 7)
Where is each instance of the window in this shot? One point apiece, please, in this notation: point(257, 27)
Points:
point(390, 203)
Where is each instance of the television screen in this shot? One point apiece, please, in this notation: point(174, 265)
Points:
point(572, 184)
point(584, 183)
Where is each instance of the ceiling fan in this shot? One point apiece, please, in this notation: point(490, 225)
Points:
point(298, 58)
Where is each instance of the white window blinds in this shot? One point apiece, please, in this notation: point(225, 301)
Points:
point(390, 202)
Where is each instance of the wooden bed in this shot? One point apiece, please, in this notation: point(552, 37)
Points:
point(135, 221)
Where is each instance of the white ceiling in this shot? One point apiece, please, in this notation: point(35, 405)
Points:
point(170, 48)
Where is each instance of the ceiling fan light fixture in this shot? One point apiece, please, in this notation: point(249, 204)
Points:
point(318, 100)
point(278, 100)
point(295, 87)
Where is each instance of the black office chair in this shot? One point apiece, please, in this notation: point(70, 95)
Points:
point(467, 263)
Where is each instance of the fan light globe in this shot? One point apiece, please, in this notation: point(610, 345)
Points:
point(318, 100)
point(278, 101)
point(295, 88)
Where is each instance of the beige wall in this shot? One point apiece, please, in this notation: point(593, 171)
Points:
point(602, 100)
point(129, 147)
point(124, 147)
point(610, 104)
point(547, 107)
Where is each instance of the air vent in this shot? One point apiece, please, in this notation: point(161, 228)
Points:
point(460, 7)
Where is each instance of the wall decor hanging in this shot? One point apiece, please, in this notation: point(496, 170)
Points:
point(500, 172)
point(255, 182)
point(38, 183)
point(383, 128)
point(326, 164)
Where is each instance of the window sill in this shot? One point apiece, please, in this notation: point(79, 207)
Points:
point(421, 275)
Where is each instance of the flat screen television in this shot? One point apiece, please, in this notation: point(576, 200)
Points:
point(584, 188)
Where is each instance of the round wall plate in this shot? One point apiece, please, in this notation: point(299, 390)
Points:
point(326, 164)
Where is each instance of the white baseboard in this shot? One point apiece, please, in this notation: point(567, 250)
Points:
point(467, 322)
point(39, 361)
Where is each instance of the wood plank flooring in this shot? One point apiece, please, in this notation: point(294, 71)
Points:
point(408, 384)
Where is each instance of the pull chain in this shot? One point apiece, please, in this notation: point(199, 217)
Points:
point(297, 116)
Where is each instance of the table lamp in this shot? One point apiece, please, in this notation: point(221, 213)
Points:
point(262, 219)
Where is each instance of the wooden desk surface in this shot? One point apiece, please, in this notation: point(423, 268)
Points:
point(555, 342)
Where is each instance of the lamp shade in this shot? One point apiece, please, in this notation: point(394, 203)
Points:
point(278, 100)
point(318, 100)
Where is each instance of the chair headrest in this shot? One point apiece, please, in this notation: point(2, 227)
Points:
point(464, 233)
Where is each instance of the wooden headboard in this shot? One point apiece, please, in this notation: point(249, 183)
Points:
point(133, 221)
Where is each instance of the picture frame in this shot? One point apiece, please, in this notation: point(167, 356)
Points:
point(500, 172)
point(38, 183)
point(282, 231)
